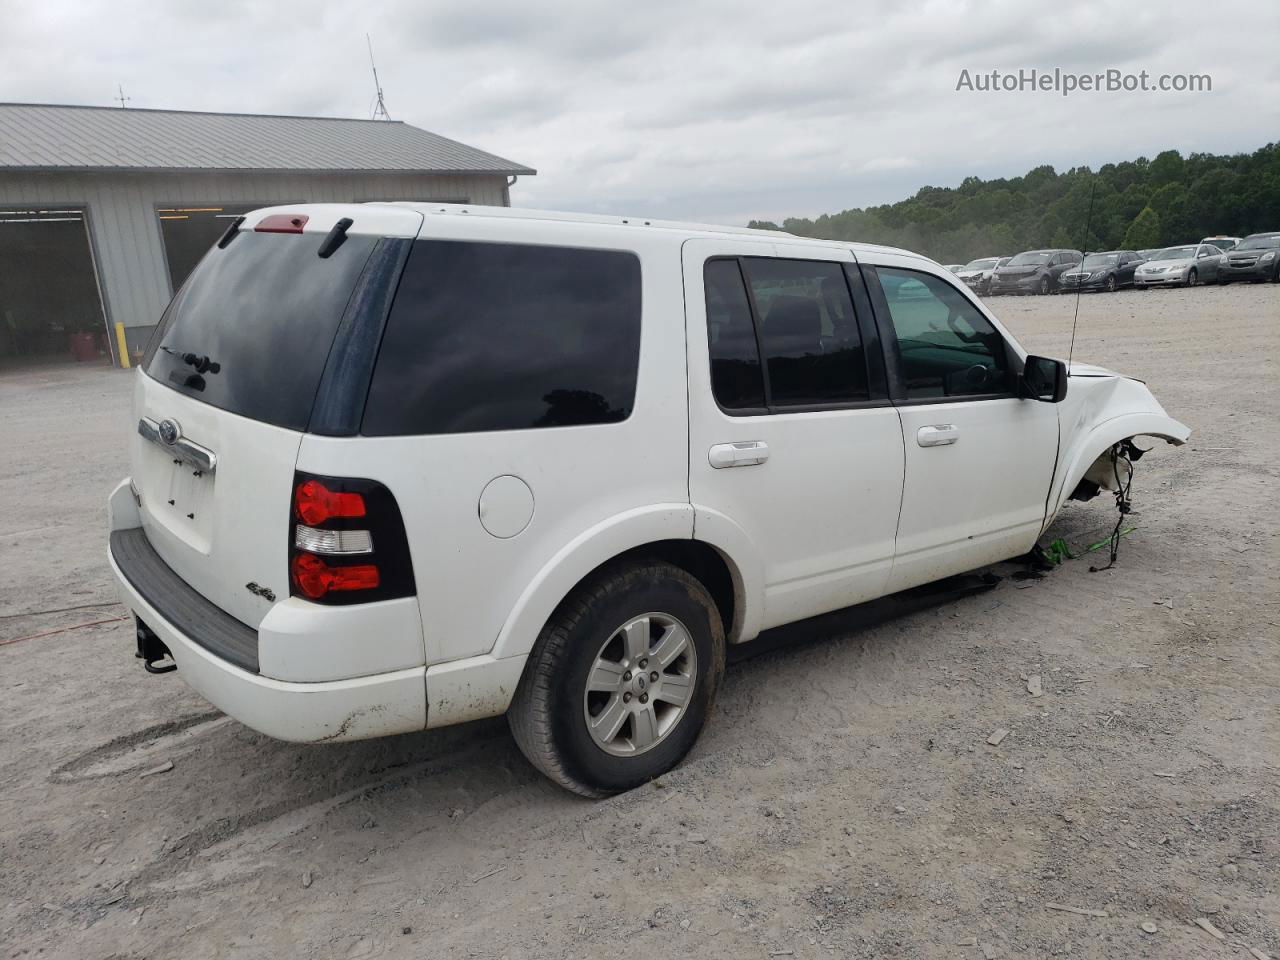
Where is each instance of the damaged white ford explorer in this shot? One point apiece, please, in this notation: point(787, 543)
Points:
point(398, 466)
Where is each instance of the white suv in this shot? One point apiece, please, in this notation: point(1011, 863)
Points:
point(399, 466)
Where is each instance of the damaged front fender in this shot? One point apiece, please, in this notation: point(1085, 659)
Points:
point(1102, 409)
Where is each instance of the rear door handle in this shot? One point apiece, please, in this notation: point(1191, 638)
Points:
point(748, 453)
point(937, 435)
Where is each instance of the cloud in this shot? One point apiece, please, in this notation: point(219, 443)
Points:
point(705, 109)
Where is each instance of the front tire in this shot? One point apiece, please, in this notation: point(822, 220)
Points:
point(1044, 286)
point(1192, 277)
point(1111, 283)
point(621, 679)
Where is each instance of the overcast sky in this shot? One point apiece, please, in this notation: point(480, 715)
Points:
point(699, 109)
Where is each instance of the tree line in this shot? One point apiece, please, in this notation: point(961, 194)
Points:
point(1136, 204)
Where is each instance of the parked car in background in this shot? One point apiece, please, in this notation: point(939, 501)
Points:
point(1225, 244)
point(1034, 271)
point(1256, 258)
point(977, 273)
point(1183, 266)
point(1102, 271)
point(346, 415)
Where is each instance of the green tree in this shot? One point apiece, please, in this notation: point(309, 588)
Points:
point(1167, 167)
point(1136, 204)
point(1143, 232)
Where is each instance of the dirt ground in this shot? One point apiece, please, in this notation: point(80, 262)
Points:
point(844, 800)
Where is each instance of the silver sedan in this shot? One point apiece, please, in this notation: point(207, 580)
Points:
point(1183, 266)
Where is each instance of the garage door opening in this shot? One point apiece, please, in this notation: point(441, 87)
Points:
point(50, 303)
point(190, 231)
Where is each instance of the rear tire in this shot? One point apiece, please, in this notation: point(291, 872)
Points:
point(584, 644)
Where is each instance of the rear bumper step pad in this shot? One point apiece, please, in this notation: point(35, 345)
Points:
point(201, 621)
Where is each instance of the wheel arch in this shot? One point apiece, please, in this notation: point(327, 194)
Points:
point(664, 532)
point(1087, 449)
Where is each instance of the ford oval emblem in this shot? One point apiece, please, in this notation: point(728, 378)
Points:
point(169, 431)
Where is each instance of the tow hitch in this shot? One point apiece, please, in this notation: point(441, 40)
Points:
point(151, 650)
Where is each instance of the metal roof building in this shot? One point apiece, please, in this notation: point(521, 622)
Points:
point(104, 211)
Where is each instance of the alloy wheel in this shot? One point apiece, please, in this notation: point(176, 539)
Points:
point(640, 684)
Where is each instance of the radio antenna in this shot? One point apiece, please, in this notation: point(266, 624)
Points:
point(1088, 222)
point(379, 111)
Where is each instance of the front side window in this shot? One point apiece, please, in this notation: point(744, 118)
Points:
point(946, 347)
point(501, 336)
point(799, 317)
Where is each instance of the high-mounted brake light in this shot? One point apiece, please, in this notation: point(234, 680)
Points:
point(315, 503)
point(315, 578)
point(282, 223)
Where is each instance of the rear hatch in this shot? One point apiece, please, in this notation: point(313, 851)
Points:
point(227, 390)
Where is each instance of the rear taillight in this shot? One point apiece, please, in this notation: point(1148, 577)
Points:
point(315, 503)
point(315, 579)
point(347, 542)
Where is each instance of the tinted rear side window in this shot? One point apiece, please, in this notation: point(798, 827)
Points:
point(736, 379)
point(497, 336)
point(808, 331)
point(250, 330)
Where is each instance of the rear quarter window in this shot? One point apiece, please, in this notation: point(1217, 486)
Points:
point(498, 336)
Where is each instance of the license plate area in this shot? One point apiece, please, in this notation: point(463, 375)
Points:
point(178, 496)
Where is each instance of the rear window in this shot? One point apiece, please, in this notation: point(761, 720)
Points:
point(499, 336)
point(250, 330)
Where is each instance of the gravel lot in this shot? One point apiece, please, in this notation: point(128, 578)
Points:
point(843, 802)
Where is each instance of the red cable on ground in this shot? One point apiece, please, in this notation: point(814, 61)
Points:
point(50, 633)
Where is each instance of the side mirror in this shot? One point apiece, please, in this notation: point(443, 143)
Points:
point(1044, 379)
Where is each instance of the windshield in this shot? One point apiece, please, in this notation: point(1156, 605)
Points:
point(1176, 253)
point(250, 330)
point(1261, 243)
point(1030, 258)
point(1101, 260)
point(986, 264)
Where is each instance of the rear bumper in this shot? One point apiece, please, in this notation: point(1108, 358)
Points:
point(350, 709)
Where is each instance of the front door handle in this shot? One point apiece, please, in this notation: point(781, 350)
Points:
point(748, 453)
point(937, 435)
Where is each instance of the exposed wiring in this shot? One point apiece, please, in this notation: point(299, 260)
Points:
point(1119, 455)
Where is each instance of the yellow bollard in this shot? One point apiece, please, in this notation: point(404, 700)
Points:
point(122, 346)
